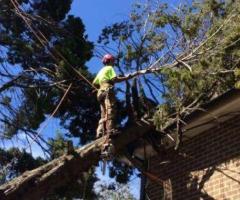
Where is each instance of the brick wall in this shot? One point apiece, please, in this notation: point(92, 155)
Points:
point(210, 168)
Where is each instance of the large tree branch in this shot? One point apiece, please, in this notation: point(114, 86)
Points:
point(150, 70)
point(168, 66)
point(44, 180)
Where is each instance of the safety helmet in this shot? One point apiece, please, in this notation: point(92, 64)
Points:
point(108, 58)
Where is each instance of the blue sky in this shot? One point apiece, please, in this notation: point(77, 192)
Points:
point(96, 14)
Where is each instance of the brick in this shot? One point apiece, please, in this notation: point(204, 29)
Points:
point(196, 175)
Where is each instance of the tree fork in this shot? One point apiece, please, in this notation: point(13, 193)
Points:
point(38, 183)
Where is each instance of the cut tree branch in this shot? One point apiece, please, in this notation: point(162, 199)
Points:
point(42, 181)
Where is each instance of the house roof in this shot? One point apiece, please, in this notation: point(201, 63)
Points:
point(213, 113)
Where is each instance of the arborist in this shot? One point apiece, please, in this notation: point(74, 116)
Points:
point(105, 80)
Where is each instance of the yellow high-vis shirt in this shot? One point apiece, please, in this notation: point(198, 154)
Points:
point(107, 73)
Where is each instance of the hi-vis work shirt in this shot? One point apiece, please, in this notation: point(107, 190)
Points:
point(107, 73)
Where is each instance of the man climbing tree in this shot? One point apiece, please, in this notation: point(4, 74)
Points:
point(107, 100)
point(105, 80)
point(106, 96)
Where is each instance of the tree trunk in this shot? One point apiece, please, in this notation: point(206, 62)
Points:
point(42, 181)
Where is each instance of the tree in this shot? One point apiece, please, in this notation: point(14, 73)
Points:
point(43, 51)
point(185, 56)
point(14, 162)
point(60, 172)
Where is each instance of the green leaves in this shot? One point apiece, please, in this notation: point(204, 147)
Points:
point(237, 76)
point(44, 67)
point(212, 69)
point(161, 116)
point(56, 9)
point(14, 162)
point(237, 85)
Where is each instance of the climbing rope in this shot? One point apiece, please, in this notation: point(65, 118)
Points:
point(51, 116)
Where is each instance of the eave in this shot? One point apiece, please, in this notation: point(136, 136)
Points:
point(212, 114)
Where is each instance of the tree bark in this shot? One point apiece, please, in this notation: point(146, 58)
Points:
point(42, 181)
